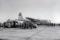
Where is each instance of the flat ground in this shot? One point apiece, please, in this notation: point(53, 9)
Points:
point(41, 33)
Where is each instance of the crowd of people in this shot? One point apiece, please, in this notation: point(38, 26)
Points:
point(15, 24)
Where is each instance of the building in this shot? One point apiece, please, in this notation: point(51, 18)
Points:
point(20, 18)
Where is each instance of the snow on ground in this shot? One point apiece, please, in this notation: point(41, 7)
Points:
point(41, 33)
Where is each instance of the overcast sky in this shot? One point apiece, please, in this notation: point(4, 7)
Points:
point(40, 9)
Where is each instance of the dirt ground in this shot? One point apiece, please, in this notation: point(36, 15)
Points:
point(40, 33)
